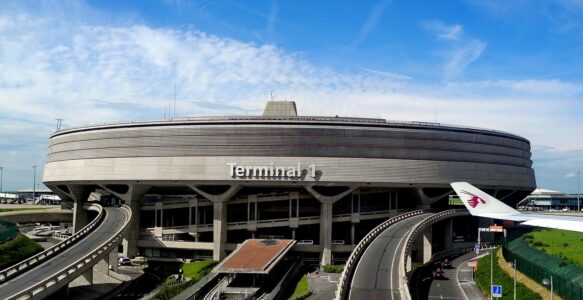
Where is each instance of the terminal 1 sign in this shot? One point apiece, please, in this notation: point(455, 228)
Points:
point(272, 171)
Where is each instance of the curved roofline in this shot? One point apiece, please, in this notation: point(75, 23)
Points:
point(296, 120)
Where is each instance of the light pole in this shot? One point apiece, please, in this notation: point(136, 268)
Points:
point(33, 183)
point(546, 282)
point(513, 264)
point(578, 205)
point(1, 171)
point(491, 273)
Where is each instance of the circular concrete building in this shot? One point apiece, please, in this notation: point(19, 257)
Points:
point(205, 184)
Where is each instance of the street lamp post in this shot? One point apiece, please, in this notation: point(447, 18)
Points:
point(546, 282)
point(1, 175)
point(33, 183)
point(578, 205)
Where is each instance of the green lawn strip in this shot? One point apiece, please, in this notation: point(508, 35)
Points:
point(333, 268)
point(482, 278)
point(23, 209)
point(302, 290)
point(562, 244)
point(17, 249)
point(198, 269)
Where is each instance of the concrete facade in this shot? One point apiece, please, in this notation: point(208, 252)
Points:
point(223, 167)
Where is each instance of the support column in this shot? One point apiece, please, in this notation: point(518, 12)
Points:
point(132, 198)
point(326, 204)
point(427, 238)
point(79, 195)
point(219, 230)
point(448, 242)
point(88, 275)
point(352, 234)
point(79, 216)
point(326, 232)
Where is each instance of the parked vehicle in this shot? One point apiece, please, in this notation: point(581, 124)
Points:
point(124, 261)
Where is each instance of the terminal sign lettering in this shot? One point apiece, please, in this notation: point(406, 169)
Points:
point(272, 171)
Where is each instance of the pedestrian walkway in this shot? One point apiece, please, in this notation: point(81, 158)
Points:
point(323, 285)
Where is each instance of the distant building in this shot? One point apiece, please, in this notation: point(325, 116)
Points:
point(548, 199)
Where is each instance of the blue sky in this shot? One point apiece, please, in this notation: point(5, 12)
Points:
point(515, 66)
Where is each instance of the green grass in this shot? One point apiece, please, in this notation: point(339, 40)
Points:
point(198, 269)
point(565, 245)
point(455, 201)
point(302, 290)
point(333, 268)
point(500, 278)
point(17, 249)
point(23, 208)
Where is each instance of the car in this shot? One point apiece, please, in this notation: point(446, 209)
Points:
point(446, 264)
point(438, 274)
point(305, 242)
point(124, 261)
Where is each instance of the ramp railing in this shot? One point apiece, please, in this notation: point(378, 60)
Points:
point(27, 264)
point(346, 276)
point(53, 283)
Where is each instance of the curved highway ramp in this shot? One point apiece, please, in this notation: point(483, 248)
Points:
point(53, 269)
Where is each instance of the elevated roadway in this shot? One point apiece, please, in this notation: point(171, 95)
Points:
point(376, 275)
point(35, 213)
point(56, 272)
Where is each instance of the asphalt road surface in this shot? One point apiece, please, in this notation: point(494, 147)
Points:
point(113, 221)
point(377, 273)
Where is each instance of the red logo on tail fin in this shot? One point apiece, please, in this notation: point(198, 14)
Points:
point(475, 200)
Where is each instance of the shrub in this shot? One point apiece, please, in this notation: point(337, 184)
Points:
point(333, 268)
point(17, 249)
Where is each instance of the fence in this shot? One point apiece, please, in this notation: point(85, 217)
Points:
point(567, 278)
point(7, 231)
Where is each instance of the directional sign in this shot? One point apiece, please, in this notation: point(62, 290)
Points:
point(497, 291)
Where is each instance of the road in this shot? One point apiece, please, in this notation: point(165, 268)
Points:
point(377, 273)
point(113, 221)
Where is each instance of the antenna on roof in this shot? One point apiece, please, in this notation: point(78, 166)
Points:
point(174, 108)
point(59, 122)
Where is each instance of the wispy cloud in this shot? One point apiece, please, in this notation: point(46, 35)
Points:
point(371, 22)
point(571, 175)
point(461, 57)
point(444, 31)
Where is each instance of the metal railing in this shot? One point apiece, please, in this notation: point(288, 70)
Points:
point(67, 274)
point(341, 120)
point(352, 262)
point(26, 264)
point(426, 222)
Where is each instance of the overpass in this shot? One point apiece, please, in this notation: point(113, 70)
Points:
point(377, 268)
point(52, 269)
point(32, 215)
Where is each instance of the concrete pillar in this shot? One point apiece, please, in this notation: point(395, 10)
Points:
point(132, 198)
point(80, 218)
point(352, 234)
point(448, 239)
point(326, 220)
point(326, 231)
point(427, 237)
point(132, 236)
point(88, 275)
point(219, 230)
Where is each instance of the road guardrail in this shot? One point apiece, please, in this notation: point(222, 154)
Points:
point(346, 276)
point(26, 264)
point(67, 274)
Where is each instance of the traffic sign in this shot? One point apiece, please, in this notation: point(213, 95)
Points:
point(497, 291)
point(477, 248)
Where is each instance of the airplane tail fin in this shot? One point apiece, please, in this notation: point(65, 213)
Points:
point(479, 203)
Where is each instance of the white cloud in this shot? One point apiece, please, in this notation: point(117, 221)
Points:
point(570, 175)
point(371, 21)
point(444, 31)
point(461, 57)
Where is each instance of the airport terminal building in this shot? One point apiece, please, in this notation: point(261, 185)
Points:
point(199, 186)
